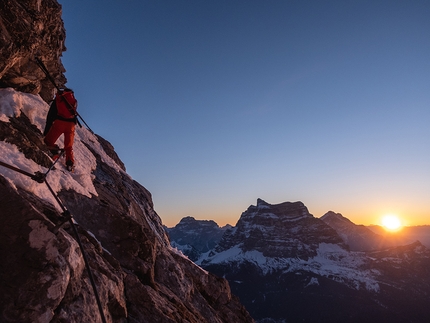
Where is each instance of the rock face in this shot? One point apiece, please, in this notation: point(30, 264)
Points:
point(29, 28)
point(286, 265)
point(195, 237)
point(139, 277)
point(282, 230)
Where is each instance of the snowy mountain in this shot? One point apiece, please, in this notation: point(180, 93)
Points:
point(286, 265)
point(113, 257)
point(195, 237)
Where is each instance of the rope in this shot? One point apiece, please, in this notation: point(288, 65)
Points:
point(53, 164)
point(45, 70)
point(41, 178)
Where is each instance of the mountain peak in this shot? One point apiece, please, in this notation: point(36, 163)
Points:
point(194, 237)
point(187, 219)
point(279, 230)
point(285, 209)
point(357, 237)
point(333, 216)
point(261, 202)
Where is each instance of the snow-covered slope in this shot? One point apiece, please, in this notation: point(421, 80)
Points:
point(13, 104)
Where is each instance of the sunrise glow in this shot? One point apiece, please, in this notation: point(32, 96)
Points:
point(391, 222)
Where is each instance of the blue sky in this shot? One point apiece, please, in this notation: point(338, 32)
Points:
point(213, 104)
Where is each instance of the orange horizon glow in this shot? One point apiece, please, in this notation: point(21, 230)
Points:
point(371, 220)
point(391, 222)
point(359, 216)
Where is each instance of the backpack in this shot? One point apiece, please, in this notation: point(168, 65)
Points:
point(66, 104)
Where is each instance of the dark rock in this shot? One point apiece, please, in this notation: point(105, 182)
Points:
point(29, 28)
point(27, 137)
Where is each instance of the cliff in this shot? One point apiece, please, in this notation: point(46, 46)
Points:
point(138, 276)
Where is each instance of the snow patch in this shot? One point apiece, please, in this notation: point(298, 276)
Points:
point(331, 261)
point(12, 104)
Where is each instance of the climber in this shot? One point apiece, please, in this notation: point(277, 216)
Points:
point(61, 119)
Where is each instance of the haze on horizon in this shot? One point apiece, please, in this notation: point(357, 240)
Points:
point(212, 105)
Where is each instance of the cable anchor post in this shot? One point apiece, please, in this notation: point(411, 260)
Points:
point(39, 177)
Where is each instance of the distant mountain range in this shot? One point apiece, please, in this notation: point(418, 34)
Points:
point(195, 237)
point(288, 266)
point(367, 238)
point(407, 235)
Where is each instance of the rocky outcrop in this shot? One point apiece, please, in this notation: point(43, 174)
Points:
point(42, 273)
point(29, 28)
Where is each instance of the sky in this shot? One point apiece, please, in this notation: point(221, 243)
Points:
point(213, 104)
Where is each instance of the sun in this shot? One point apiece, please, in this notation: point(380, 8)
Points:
point(391, 222)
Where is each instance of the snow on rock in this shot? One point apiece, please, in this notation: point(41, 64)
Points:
point(331, 261)
point(340, 265)
point(12, 104)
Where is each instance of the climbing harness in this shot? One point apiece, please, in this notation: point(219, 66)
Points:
point(40, 177)
point(45, 70)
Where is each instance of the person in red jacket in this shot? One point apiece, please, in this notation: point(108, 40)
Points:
point(62, 119)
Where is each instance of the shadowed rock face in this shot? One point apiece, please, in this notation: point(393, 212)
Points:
point(139, 277)
point(29, 28)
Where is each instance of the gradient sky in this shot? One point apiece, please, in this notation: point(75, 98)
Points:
point(213, 104)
